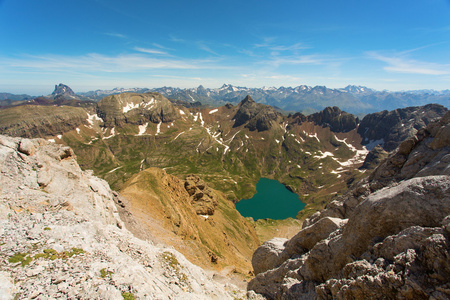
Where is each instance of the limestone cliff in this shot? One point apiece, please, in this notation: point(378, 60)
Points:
point(61, 236)
point(388, 237)
point(390, 128)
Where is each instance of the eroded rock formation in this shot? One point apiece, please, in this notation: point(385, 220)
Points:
point(202, 197)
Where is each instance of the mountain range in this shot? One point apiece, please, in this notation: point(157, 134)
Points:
point(357, 100)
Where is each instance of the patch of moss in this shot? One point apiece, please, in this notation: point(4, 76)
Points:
point(105, 273)
point(128, 296)
point(23, 258)
point(52, 254)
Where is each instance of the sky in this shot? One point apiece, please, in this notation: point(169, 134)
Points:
point(102, 44)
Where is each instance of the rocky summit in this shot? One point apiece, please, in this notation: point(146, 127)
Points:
point(388, 237)
point(61, 236)
point(63, 91)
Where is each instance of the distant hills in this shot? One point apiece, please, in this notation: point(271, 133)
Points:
point(303, 98)
point(358, 100)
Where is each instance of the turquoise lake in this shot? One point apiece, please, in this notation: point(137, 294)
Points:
point(272, 201)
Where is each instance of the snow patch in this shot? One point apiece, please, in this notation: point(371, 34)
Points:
point(182, 112)
point(142, 129)
point(112, 132)
point(78, 130)
point(213, 111)
point(92, 118)
point(51, 140)
point(149, 104)
point(372, 144)
point(59, 136)
point(129, 107)
point(177, 136)
point(323, 154)
point(114, 170)
point(158, 128)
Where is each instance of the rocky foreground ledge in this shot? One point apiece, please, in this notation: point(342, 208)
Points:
point(387, 238)
point(61, 237)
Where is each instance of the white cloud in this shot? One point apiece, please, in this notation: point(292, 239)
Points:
point(401, 64)
point(96, 63)
point(115, 34)
point(151, 51)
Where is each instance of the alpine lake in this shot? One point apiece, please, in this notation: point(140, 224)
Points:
point(271, 201)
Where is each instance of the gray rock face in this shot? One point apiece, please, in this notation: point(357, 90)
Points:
point(390, 128)
point(374, 157)
point(61, 236)
point(388, 237)
point(62, 90)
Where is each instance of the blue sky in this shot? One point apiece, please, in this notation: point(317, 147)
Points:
point(100, 44)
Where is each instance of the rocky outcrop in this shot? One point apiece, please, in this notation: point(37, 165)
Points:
point(63, 91)
point(374, 158)
point(390, 128)
point(41, 121)
point(337, 120)
point(255, 116)
point(390, 237)
point(202, 197)
point(61, 236)
point(135, 109)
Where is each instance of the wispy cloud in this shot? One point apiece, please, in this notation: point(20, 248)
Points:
point(295, 47)
point(277, 61)
point(176, 39)
point(117, 35)
point(151, 51)
point(400, 64)
point(95, 63)
point(204, 47)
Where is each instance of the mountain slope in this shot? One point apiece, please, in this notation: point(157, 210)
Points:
point(39, 121)
point(60, 236)
point(191, 217)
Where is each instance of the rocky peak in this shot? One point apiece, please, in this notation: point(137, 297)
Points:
point(255, 116)
point(337, 120)
point(62, 90)
point(247, 99)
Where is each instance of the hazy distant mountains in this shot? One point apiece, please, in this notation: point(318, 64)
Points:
point(303, 98)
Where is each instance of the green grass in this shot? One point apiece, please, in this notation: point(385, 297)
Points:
point(26, 258)
point(128, 296)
